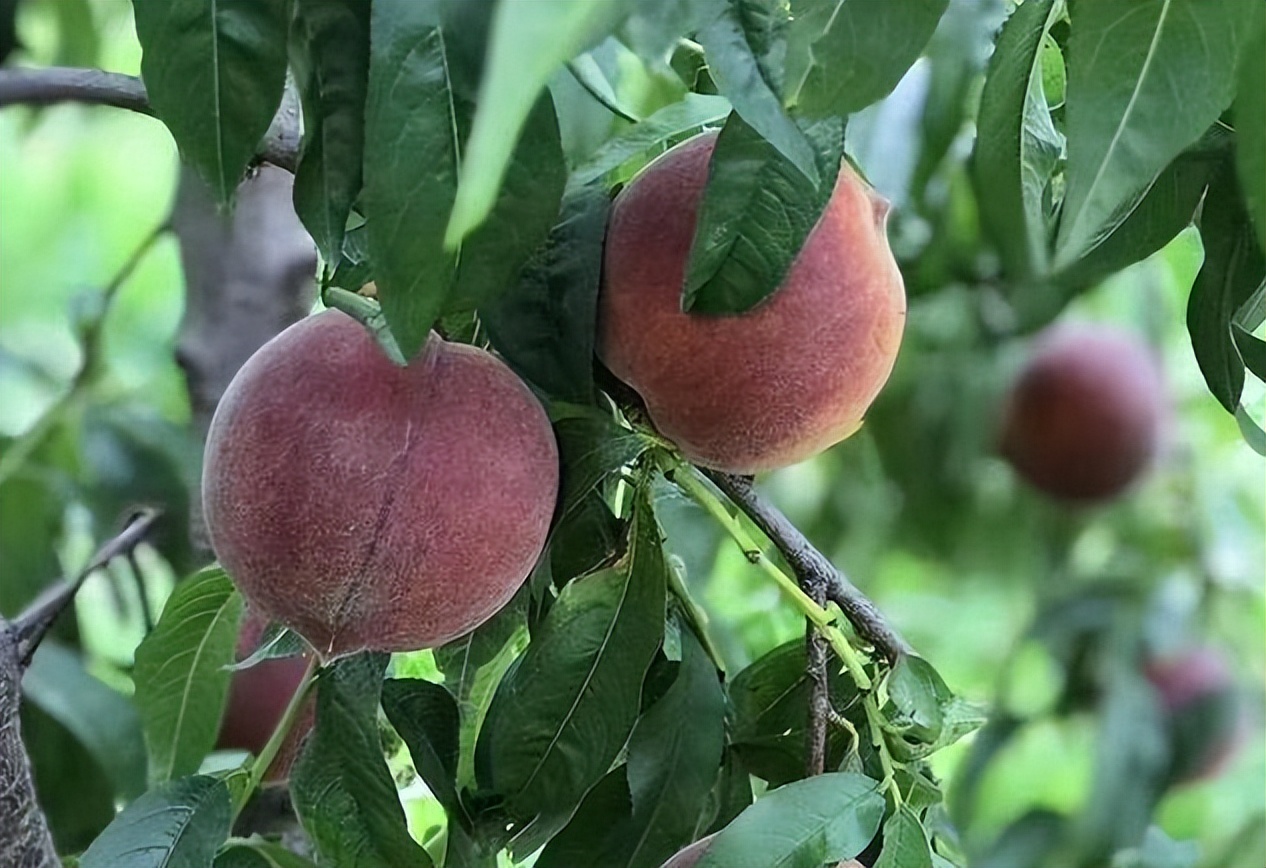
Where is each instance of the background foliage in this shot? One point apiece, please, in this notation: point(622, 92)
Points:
point(1006, 594)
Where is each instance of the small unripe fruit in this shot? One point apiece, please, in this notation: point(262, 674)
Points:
point(769, 387)
point(1198, 695)
point(258, 698)
point(369, 506)
point(1083, 420)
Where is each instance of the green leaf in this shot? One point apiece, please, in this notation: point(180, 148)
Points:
point(181, 679)
point(214, 71)
point(102, 719)
point(746, 45)
point(426, 717)
point(1025, 843)
point(329, 48)
point(1253, 434)
point(411, 164)
point(862, 52)
point(1017, 146)
point(905, 843)
point(1233, 269)
point(769, 703)
point(587, 839)
point(181, 822)
point(756, 213)
point(916, 693)
point(342, 789)
point(76, 796)
point(545, 328)
point(474, 665)
point(1168, 75)
point(564, 712)
point(528, 43)
point(592, 445)
point(1166, 210)
point(801, 825)
point(527, 205)
point(653, 135)
point(30, 524)
point(1250, 128)
point(671, 766)
point(353, 268)
point(256, 852)
point(731, 795)
point(1252, 351)
point(585, 538)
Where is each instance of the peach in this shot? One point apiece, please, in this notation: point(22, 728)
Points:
point(369, 506)
point(258, 698)
point(769, 387)
point(1083, 420)
point(1198, 695)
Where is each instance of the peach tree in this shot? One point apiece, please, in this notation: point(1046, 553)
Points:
point(585, 260)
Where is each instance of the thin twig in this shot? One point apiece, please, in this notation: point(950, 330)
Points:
point(53, 85)
point(810, 564)
point(33, 624)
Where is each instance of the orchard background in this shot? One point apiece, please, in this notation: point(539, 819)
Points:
point(128, 298)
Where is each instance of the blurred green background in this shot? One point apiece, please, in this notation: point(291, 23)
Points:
point(915, 508)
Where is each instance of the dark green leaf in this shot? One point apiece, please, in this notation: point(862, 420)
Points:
point(769, 703)
point(587, 839)
point(1016, 145)
point(592, 445)
point(526, 206)
point(756, 213)
point(746, 45)
point(182, 822)
point(341, 787)
point(861, 54)
point(1250, 128)
point(528, 43)
point(1252, 350)
point(1233, 269)
point(1158, 850)
point(411, 164)
point(1168, 76)
point(674, 753)
point(730, 796)
point(1166, 210)
point(426, 717)
point(473, 667)
point(214, 71)
point(562, 715)
point(76, 796)
point(181, 675)
point(801, 825)
point(655, 134)
point(353, 269)
point(330, 51)
point(545, 327)
point(586, 537)
point(905, 843)
point(102, 719)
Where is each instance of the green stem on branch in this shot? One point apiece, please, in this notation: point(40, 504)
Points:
point(266, 757)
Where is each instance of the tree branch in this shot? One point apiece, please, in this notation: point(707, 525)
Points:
point(25, 841)
point(810, 565)
point(53, 85)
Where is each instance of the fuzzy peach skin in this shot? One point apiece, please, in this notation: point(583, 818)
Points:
point(1084, 418)
point(370, 506)
point(769, 387)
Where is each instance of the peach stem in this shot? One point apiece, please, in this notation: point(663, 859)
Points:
point(269, 753)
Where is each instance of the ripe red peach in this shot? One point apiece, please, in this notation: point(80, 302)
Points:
point(370, 506)
point(769, 387)
point(1198, 695)
point(1083, 420)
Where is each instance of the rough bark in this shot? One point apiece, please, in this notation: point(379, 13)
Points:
point(25, 841)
